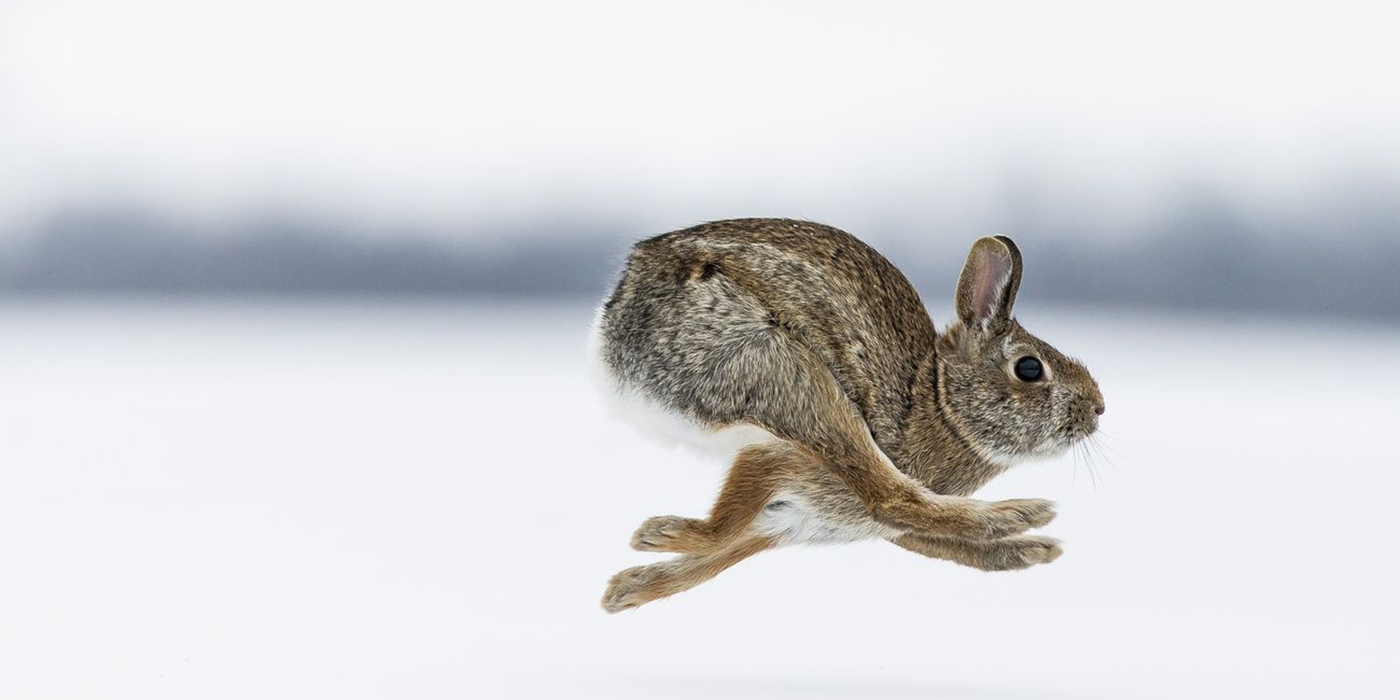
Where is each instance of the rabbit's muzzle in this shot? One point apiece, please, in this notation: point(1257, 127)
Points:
point(1084, 416)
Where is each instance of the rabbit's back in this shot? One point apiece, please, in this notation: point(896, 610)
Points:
point(696, 312)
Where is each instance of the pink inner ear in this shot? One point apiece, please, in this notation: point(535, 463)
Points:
point(992, 274)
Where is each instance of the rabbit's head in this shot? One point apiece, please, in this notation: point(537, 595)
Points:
point(1012, 394)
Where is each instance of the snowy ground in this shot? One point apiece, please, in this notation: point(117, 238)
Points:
point(337, 500)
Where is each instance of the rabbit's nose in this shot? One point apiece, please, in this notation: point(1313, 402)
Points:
point(1098, 409)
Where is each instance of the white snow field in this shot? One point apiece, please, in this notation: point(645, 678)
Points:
point(348, 500)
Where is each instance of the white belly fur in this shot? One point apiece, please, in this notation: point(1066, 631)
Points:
point(790, 519)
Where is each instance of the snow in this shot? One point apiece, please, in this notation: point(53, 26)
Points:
point(337, 499)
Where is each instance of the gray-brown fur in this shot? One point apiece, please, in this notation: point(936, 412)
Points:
point(805, 331)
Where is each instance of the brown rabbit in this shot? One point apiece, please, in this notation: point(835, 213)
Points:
point(808, 359)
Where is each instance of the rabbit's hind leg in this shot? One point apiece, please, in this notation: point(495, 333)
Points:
point(756, 475)
point(642, 584)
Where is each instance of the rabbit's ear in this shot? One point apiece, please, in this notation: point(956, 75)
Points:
point(987, 287)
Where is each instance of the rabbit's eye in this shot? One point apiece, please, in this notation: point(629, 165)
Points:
point(1028, 369)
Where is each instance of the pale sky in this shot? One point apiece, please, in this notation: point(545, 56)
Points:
point(445, 114)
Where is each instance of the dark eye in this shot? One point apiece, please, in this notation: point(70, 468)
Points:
point(1027, 369)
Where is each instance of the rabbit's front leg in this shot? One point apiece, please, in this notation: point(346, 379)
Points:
point(1006, 554)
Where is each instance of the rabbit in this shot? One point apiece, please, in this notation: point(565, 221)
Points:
point(805, 357)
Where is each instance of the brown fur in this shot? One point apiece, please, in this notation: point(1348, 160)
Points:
point(642, 584)
point(1006, 554)
point(805, 331)
point(747, 487)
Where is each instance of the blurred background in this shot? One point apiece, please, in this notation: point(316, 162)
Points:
point(293, 297)
point(1209, 157)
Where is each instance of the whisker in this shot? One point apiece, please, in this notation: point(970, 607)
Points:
point(1089, 462)
point(1101, 440)
point(1074, 473)
point(1102, 452)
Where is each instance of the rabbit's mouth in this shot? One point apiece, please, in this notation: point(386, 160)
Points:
point(1080, 431)
point(1066, 438)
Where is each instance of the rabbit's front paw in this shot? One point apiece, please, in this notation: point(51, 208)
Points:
point(1007, 518)
point(1021, 552)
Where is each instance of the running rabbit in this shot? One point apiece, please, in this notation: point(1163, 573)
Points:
point(805, 357)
